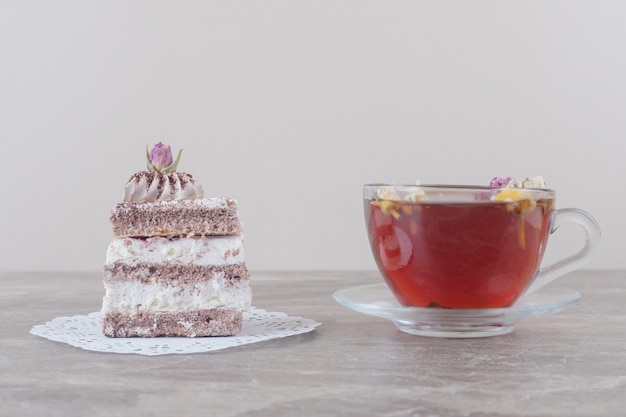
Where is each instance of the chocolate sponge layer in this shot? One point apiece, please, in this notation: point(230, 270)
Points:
point(200, 323)
point(216, 216)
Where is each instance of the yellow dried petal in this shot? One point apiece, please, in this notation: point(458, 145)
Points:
point(511, 195)
point(388, 208)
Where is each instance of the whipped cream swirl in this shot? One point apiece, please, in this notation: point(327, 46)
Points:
point(153, 186)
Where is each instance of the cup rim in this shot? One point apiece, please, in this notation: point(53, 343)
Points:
point(463, 187)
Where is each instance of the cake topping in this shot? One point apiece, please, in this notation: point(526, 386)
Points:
point(161, 182)
point(160, 158)
point(152, 186)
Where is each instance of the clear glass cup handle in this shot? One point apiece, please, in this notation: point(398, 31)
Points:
point(549, 273)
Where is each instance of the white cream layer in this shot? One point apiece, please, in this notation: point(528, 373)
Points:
point(198, 250)
point(134, 297)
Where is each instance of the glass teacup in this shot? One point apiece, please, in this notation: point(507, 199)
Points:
point(465, 247)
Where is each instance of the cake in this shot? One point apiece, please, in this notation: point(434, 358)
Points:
point(175, 265)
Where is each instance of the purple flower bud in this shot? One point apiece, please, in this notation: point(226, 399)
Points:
point(161, 156)
point(499, 182)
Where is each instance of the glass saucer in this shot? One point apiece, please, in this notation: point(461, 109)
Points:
point(377, 300)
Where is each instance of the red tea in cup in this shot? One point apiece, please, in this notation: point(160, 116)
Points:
point(468, 247)
point(481, 254)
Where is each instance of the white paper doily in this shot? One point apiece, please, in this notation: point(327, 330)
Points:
point(85, 332)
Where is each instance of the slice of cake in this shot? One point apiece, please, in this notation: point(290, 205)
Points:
point(175, 266)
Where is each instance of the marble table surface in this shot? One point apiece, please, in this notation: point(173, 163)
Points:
point(569, 364)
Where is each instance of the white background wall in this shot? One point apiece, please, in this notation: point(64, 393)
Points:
point(290, 106)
